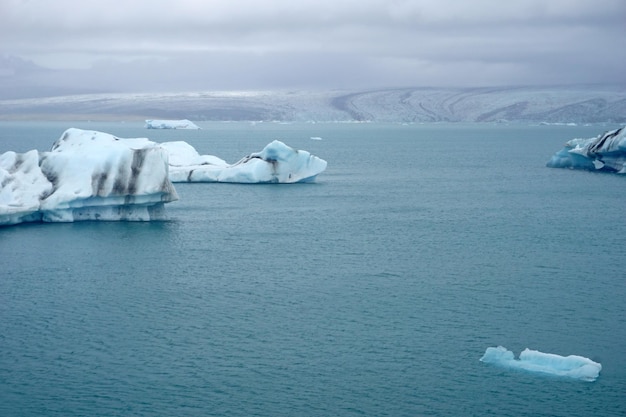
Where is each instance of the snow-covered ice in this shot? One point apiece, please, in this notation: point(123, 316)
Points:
point(276, 163)
point(87, 175)
point(606, 152)
point(572, 366)
point(171, 124)
point(547, 104)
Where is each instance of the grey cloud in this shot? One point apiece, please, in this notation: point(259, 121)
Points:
point(320, 43)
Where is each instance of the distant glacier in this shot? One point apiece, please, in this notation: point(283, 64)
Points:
point(563, 105)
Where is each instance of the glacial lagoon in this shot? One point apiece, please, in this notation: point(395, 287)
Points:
point(373, 291)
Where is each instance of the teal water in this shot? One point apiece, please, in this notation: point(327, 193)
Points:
point(374, 291)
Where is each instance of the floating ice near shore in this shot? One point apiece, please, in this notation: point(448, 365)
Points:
point(171, 124)
point(572, 366)
point(606, 152)
point(86, 176)
point(276, 163)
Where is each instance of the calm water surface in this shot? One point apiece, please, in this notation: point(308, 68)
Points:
point(374, 291)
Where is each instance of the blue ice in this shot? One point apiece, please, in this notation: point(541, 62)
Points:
point(573, 366)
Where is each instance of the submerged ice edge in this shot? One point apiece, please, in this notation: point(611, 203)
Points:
point(572, 366)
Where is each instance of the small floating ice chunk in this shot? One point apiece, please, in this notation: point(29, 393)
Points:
point(171, 124)
point(573, 366)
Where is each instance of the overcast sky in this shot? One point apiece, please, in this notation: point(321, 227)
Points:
point(264, 44)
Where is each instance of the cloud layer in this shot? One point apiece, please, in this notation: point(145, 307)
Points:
point(325, 44)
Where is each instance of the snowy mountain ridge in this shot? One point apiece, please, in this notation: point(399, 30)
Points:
point(571, 104)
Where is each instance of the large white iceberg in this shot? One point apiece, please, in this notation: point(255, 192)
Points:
point(276, 163)
point(572, 366)
point(606, 152)
point(87, 175)
point(171, 124)
point(92, 175)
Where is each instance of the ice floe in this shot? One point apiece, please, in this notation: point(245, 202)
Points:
point(571, 366)
point(171, 124)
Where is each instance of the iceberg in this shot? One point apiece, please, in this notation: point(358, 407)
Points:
point(572, 366)
point(87, 175)
point(606, 152)
point(171, 124)
point(276, 163)
point(91, 175)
